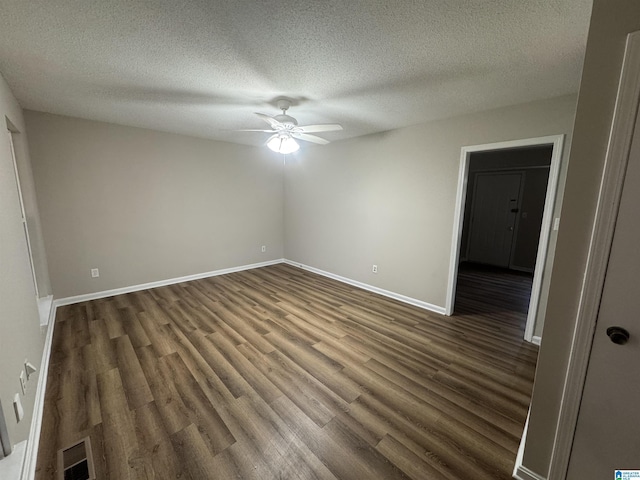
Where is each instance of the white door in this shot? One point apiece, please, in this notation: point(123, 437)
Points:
point(493, 217)
point(607, 436)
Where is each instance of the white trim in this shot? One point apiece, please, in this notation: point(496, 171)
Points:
point(615, 166)
point(557, 142)
point(31, 455)
point(523, 473)
point(545, 235)
point(23, 212)
point(523, 440)
point(520, 472)
point(45, 305)
point(11, 465)
point(536, 340)
point(365, 286)
point(160, 283)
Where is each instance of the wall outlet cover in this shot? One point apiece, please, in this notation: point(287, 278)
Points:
point(17, 406)
point(23, 382)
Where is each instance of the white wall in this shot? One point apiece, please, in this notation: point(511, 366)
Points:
point(20, 335)
point(144, 206)
point(389, 199)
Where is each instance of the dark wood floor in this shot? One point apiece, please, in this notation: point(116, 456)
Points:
point(277, 373)
point(491, 292)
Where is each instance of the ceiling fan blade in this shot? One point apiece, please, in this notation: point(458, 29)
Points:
point(327, 127)
point(254, 130)
point(270, 120)
point(309, 138)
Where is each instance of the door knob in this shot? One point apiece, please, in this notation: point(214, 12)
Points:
point(618, 335)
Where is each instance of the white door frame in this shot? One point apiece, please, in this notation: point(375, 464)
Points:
point(556, 141)
point(615, 167)
point(23, 212)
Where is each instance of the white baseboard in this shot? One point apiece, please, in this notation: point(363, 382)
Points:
point(536, 340)
point(31, 454)
point(45, 306)
point(371, 288)
point(11, 465)
point(523, 473)
point(160, 283)
point(520, 472)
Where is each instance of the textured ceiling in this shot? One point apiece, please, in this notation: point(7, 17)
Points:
point(202, 67)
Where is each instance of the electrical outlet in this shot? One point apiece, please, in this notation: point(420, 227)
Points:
point(29, 369)
point(95, 273)
point(375, 269)
point(264, 248)
point(23, 382)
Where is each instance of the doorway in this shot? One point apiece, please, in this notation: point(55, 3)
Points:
point(504, 209)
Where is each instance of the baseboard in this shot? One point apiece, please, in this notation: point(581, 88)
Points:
point(160, 283)
point(523, 473)
point(520, 472)
point(370, 288)
point(31, 455)
point(536, 340)
point(45, 306)
point(11, 466)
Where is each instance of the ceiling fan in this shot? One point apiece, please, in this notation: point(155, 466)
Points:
point(286, 130)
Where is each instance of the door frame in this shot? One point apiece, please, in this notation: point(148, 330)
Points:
point(23, 211)
point(557, 143)
point(615, 167)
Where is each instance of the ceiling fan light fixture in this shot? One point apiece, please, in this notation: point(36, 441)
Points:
point(283, 144)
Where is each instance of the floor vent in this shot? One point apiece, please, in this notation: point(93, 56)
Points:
point(76, 462)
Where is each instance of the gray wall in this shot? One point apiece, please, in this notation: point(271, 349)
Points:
point(611, 21)
point(143, 206)
point(20, 335)
point(389, 199)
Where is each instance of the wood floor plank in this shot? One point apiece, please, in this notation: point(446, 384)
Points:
point(134, 381)
point(278, 373)
point(335, 447)
point(407, 461)
point(155, 443)
point(133, 329)
point(196, 457)
point(104, 354)
point(297, 385)
point(165, 393)
point(198, 408)
point(122, 454)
